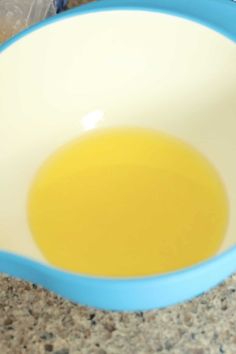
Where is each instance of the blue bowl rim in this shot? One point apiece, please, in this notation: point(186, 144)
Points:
point(140, 293)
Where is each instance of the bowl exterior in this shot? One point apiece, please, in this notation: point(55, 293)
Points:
point(148, 292)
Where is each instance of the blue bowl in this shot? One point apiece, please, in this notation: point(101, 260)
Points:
point(140, 293)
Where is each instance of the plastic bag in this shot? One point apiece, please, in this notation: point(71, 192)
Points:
point(15, 15)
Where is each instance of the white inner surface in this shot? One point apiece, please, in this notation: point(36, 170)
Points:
point(107, 69)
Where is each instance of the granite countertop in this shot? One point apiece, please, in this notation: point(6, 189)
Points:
point(33, 320)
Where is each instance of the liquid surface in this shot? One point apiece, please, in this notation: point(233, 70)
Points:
point(127, 202)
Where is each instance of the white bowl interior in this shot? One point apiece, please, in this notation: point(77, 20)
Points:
point(108, 69)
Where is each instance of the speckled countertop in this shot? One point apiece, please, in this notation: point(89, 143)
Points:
point(35, 321)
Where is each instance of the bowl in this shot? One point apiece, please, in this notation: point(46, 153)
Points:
point(154, 64)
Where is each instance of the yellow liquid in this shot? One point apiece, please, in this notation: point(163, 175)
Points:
point(127, 202)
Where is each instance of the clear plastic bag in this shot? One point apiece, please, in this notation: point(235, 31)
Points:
point(16, 15)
